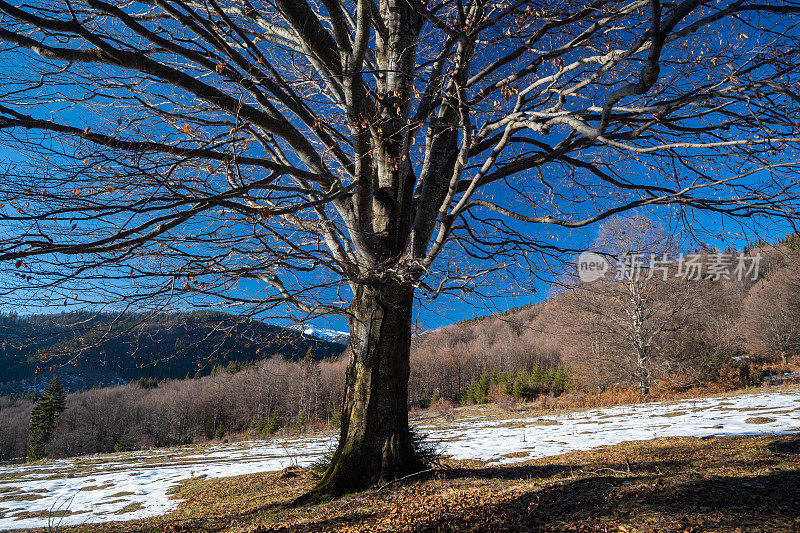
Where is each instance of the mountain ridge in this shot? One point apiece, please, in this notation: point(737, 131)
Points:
point(97, 349)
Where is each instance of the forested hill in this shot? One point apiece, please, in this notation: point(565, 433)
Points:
point(88, 349)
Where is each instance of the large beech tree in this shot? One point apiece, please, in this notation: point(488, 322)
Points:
point(349, 156)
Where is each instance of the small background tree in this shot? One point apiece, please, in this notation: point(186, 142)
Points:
point(43, 418)
point(626, 313)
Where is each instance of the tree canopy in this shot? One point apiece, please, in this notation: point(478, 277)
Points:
point(176, 149)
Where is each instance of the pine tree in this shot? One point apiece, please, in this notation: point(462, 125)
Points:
point(508, 386)
point(43, 418)
point(792, 241)
point(147, 383)
point(272, 425)
point(469, 394)
point(122, 444)
point(537, 375)
point(520, 384)
point(434, 398)
point(561, 382)
point(481, 394)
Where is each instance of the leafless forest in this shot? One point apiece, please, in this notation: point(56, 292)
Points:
point(717, 334)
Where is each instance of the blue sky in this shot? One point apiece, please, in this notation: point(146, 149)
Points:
point(504, 295)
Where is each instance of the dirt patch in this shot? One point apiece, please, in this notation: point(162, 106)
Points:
point(97, 487)
point(760, 420)
point(43, 514)
point(21, 497)
point(514, 455)
point(131, 507)
point(122, 494)
point(544, 422)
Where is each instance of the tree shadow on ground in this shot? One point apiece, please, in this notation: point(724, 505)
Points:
point(767, 502)
point(790, 446)
point(729, 484)
point(508, 472)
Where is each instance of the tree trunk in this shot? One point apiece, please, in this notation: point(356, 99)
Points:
point(375, 444)
point(644, 387)
point(644, 375)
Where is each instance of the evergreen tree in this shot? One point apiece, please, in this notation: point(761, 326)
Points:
point(434, 398)
point(309, 359)
point(561, 381)
point(234, 367)
point(147, 383)
point(537, 375)
point(272, 425)
point(43, 418)
point(482, 390)
point(301, 422)
point(508, 386)
point(469, 394)
point(792, 241)
point(520, 383)
point(122, 444)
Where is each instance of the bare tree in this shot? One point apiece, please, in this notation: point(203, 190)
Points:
point(347, 156)
point(626, 313)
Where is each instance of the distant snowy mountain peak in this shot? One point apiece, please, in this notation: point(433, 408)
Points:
point(330, 335)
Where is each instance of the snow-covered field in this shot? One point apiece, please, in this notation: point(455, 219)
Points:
point(136, 484)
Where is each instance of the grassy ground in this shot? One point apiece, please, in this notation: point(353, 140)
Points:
point(676, 484)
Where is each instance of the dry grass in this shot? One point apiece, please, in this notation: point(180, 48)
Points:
point(679, 484)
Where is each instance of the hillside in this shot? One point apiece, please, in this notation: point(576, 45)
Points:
point(91, 349)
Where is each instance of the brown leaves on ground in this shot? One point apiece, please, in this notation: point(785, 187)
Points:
point(678, 484)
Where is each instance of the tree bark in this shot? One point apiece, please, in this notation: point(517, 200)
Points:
point(644, 374)
point(375, 445)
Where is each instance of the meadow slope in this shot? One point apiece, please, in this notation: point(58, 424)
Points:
point(151, 483)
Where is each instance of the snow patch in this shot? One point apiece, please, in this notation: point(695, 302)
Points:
point(137, 484)
point(330, 335)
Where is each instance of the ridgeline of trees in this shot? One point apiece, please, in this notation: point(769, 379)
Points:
point(87, 349)
point(262, 397)
point(649, 335)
